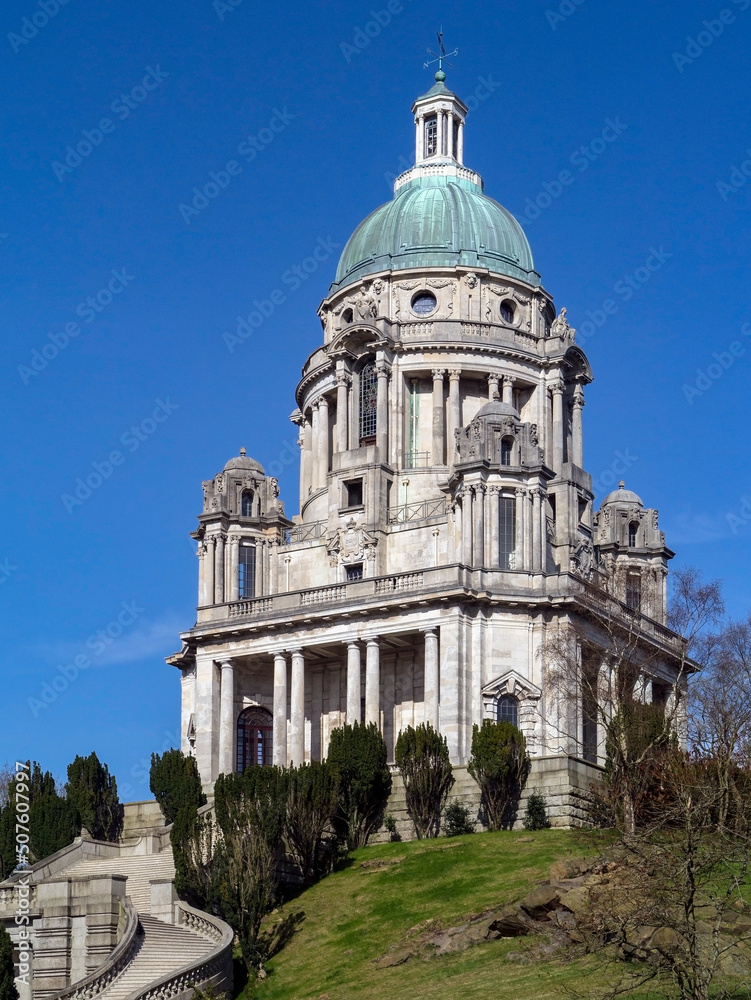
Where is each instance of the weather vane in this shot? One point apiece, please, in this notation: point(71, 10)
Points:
point(441, 54)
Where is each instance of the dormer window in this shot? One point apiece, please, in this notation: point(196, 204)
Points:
point(246, 504)
point(633, 530)
point(431, 135)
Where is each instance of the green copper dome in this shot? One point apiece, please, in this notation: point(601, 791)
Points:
point(438, 221)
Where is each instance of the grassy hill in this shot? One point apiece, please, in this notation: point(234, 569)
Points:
point(352, 918)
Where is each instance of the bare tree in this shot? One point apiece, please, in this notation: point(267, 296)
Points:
point(6, 776)
point(620, 679)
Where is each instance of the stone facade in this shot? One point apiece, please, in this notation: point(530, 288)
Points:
point(446, 518)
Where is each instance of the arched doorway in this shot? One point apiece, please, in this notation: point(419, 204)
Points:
point(255, 731)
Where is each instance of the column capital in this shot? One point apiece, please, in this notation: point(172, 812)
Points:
point(383, 369)
point(578, 396)
point(343, 378)
point(537, 493)
point(454, 374)
point(352, 642)
point(438, 374)
point(280, 654)
point(372, 640)
point(508, 380)
point(556, 387)
point(520, 491)
point(295, 650)
point(431, 630)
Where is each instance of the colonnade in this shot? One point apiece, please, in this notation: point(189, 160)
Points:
point(445, 142)
point(219, 564)
point(289, 734)
point(480, 527)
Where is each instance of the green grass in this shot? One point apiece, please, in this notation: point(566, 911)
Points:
point(352, 918)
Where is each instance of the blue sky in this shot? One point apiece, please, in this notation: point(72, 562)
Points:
point(312, 101)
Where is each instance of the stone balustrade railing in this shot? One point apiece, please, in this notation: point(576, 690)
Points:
point(113, 967)
point(9, 898)
point(214, 968)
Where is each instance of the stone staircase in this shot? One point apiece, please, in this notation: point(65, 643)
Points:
point(161, 950)
point(139, 869)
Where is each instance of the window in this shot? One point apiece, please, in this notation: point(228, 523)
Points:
point(431, 135)
point(633, 591)
point(507, 532)
point(246, 504)
point(424, 303)
point(456, 138)
point(255, 736)
point(508, 710)
point(508, 310)
point(506, 445)
point(246, 571)
point(354, 572)
point(368, 402)
point(633, 529)
point(353, 493)
point(347, 315)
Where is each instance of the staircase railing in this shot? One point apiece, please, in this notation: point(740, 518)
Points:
point(115, 965)
point(216, 967)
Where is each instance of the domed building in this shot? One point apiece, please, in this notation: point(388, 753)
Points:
point(445, 526)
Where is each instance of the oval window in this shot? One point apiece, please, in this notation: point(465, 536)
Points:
point(423, 303)
point(507, 311)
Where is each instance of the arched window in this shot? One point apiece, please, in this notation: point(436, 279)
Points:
point(246, 504)
point(508, 709)
point(368, 402)
point(255, 732)
point(633, 528)
point(506, 446)
point(347, 315)
point(431, 135)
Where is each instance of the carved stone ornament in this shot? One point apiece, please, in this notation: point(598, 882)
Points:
point(351, 544)
point(365, 304)
point(408, 285)
point(560, 327)
point(378, 286)
point(583, 557)
point(471, 279)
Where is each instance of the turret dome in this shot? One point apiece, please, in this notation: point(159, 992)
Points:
point(622, 495)
point(242, 463)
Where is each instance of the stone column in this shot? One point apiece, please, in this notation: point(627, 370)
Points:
point(557, 390)
point(578, 439)
point(455, 414)
point(441, 123)
point(536, 531)
point(234, 559)
point(303, 440)
point(494, 515)
point(280, 710)
point(353, 682)
point(205, 572)
point(439, 429)
point(372, 682)
point(221, 538)
point(343, 381)
point(273, 577)
point(508, 390)
point(297, 709)
point(431, 677)
point(528, 531)
point(478, 532)
point(460, 150)
point(467, 526)
point(521, 495)
point(420, 143)
point(493, 383)
point(323, 440)
point(382, 412)
point(227, 719)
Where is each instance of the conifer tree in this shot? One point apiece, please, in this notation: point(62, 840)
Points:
point(358, 760)
point(8, 989)
point(92, 792)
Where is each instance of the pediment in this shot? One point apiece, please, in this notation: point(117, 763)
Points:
point(511, 682)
